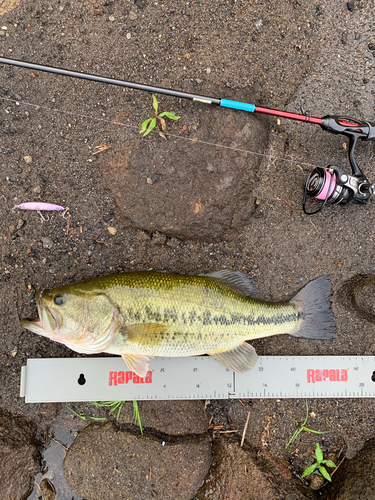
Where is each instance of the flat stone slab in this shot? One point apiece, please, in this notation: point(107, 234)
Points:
point(175, 418)
point(188, 188)
point(354, 480)
point(19, 459)
point(358, 295)
point(104, 462)
point(239, 473)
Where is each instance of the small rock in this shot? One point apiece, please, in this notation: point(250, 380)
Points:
point(27, 159)
point(198, 80)
point(350, 6)
point(112, 230)
point(20, 223)
point(128, 36)
point(111, 18)
point(158, 239)
point(174, 242)
point(344, 38)
point(142, 236)
point(133, 16)
point(47, 242)
point(37, 190)
point(13, 353)
point(259, 25)
point(371, 46)
point(48, 492)
point(316, 481)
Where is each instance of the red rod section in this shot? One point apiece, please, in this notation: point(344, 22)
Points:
point(286, 114)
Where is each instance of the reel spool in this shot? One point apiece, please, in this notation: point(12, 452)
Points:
point(333, 185)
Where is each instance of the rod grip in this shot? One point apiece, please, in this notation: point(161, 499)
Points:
point(237, 105)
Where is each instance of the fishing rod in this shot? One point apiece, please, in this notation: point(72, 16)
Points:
point(328, 184)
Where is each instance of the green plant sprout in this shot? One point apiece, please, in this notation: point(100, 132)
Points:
point(136, 416)
point(85, 417)
point(150, 123)
point(303, 428)
point(113, 405)
point(319, 464)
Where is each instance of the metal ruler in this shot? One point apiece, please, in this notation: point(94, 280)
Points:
point(201, 377)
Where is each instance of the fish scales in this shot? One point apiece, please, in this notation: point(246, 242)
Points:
point(201, 315)
point(147, 313)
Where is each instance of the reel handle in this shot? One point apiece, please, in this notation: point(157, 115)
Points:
point(353, 129)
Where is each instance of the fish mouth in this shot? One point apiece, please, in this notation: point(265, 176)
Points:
point(48, 322)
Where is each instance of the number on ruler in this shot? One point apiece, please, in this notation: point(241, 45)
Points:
point(293, 369)
point(361, 384)
point(261, 368)
point(195, 369)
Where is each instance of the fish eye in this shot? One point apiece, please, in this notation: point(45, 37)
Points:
point(59, 300)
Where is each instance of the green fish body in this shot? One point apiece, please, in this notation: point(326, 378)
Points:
point(143, 314)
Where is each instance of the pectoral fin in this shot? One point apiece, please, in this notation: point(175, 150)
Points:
point(240, 359)
point(136, 333)
point(138, 363)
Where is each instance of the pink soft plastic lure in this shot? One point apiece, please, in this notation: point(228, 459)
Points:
point(37, 205)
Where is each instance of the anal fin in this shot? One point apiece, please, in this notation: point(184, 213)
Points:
point(138, 363)
point(240, 359)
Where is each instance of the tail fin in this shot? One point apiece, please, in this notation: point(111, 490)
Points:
point(314, 306)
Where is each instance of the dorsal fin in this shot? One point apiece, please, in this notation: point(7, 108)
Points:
point(237, 280)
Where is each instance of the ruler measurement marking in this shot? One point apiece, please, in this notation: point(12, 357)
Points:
point(177, 378)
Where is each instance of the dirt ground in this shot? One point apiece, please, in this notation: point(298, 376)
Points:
point(301, 53)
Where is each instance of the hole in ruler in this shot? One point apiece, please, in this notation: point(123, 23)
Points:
point(373, 376)
point(82, 380)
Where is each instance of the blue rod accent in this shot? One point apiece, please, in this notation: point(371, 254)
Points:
point(237, 105)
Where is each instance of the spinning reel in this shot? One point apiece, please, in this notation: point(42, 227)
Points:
point(332, 184)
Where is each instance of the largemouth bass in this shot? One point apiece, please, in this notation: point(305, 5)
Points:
point(143, 314)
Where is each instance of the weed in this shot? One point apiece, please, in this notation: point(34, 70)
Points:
point(113, 405)
point(319, 464)
point(136, 417)
point(150, 123)
point(303, 428)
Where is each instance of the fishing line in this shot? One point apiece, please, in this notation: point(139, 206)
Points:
point(193, 140)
